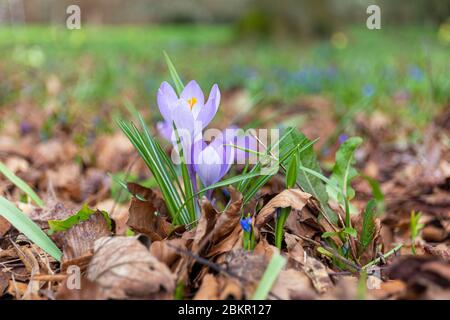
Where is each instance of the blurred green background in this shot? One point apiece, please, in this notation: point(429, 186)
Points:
point(276, 51)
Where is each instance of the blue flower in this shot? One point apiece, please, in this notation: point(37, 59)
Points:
point(342, 138)
point(246, 224)
point(416, 73)
point(368, 90)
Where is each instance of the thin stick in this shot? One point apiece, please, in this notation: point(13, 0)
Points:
point(384, 256)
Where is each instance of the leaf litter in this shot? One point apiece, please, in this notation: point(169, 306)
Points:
point(139, 254)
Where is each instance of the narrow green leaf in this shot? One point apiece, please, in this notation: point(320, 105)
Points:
point(368, 227)
point(150, 151)
point(30, 229)
point(377, 193)
point(310, 176)
point(269, 277)
point(291, 174)
point(350, 231)
point(174, 74)
point(22, 185)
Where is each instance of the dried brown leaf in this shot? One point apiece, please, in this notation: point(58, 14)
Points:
point(209, 289)
point(293, 285)
point(294, 198)
point(125, 269)
point(318, 274)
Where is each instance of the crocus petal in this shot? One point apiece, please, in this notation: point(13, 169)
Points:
point(164, 129)
point(197, 147)
point(166, 99)
point(245, 142)
point(207, 113)
point(208, 166)
point(184, 122)
point(183, 117)
point(193, 90)
point(228, 159)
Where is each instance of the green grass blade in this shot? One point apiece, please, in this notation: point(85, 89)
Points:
point(149, 150)
point(269, 277)
point(179, 86)
point(30, 229)
point(22, 185)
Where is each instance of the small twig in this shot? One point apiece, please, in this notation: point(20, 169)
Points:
point(339, 257)
point(49, 277)
point(208, 263)
point(384, 256)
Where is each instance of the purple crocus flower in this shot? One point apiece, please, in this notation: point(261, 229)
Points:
point(238, 137)
point(189, 112)
point(212, 161)
point(246, 224)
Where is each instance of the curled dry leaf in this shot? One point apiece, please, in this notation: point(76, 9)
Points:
point(78, 241)
point(294, 248)
point(220, 232)
point(205, 225)
point(125, 269)
point(228, 219)
point(148, 217)
point(294, 198)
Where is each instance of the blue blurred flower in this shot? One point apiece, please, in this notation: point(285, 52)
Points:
point(25, 127)
point(342, 138)
point(416, 73)
point(368, 90)
point(246, 224)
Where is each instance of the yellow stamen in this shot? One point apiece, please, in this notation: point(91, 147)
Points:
point(192, 101)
